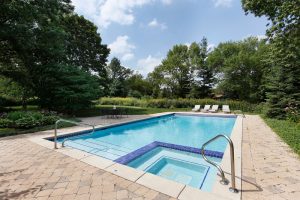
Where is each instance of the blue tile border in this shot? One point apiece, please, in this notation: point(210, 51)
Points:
point(139, 152)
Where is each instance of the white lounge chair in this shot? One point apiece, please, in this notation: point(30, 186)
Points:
point(214, 108)
point(206, 108)
point(225, 109)
point(196, 108)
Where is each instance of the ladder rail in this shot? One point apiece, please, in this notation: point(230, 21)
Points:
point(224, 180)
point(72, 122)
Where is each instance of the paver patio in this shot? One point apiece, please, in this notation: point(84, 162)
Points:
point(29, 171)
point(269, 167)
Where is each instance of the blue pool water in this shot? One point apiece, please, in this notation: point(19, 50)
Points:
point(186, 130)
point(183, 167)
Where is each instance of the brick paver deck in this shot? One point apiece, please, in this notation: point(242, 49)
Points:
point(30, 171)
point(270, 169)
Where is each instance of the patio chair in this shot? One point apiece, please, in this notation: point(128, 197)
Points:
point(214, 109)
point(225, 109)
point(206, 108)
point(196, 108)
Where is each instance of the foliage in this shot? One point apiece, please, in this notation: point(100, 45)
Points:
point(183, 73)
point(5, 123)
point(175, 103)
point(283, 85)
point(288, 131)
point(117, 78)
point(292, 113)
point(203, 80)
point(284, 15)
point(241, 66)
point(130, 110)
point(43, 51)
point(138, 86)
point(27, 119)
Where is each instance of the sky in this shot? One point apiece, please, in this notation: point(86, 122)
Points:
point(141, 32)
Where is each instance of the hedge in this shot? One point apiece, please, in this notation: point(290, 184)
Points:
point(176, 103)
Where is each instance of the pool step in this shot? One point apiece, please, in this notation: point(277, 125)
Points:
point(105, 151)
point(114, 146)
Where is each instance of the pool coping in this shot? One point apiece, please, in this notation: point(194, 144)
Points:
point(168, 187)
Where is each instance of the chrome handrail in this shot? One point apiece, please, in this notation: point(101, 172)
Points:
point(224, 180)
point(72, 122)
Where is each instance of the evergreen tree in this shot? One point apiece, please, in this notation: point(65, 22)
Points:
point(283, 88)
point(118, 75)
point(204, 76)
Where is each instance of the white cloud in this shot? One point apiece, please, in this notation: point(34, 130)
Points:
point(261, 37)
point(105, 12)
point(87, 8)
point(222, 3)
point(154, 23)
point(147, 65)
point(167, 2)
point(122, 48)
point(211, 47)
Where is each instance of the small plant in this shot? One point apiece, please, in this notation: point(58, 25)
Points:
point(6, 123)
point(27, 119)
point(292, 112)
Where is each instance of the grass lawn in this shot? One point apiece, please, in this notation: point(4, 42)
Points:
point(288, 131)
point(132, 110)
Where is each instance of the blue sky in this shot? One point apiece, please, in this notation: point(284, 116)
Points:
point(140, 32)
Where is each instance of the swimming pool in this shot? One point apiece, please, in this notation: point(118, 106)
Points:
point(153, 145)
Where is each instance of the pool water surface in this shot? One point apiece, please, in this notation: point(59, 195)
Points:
point(188, 130)
point(167, 146)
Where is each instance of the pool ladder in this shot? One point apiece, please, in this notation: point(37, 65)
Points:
point(224, 181)
point(72, 122)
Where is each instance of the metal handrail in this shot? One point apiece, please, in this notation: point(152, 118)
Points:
point(224, 180)
point(72, 122)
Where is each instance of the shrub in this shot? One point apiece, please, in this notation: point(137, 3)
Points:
point(25, 120)
point(47, 120)
point(176, 103)
point(292, 112)
point(6, 123)
point(25, 123)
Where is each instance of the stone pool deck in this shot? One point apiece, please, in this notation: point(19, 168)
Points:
point(29, 171)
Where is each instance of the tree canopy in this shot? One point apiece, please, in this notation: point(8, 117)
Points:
point(184, 72)
point(283, 87)
point(43, 50)
point(241, 68)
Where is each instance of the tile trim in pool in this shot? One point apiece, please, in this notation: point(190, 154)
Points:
point(137, 153)
point(134, 121)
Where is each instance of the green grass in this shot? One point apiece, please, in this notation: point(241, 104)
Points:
point(132, 110)
point(288, 131)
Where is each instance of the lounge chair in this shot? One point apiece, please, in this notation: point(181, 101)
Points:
point(214, 108)
point(206, 108)
point(196, 108)
point(225, 109)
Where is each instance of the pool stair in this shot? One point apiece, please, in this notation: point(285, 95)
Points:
point(106, 150)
